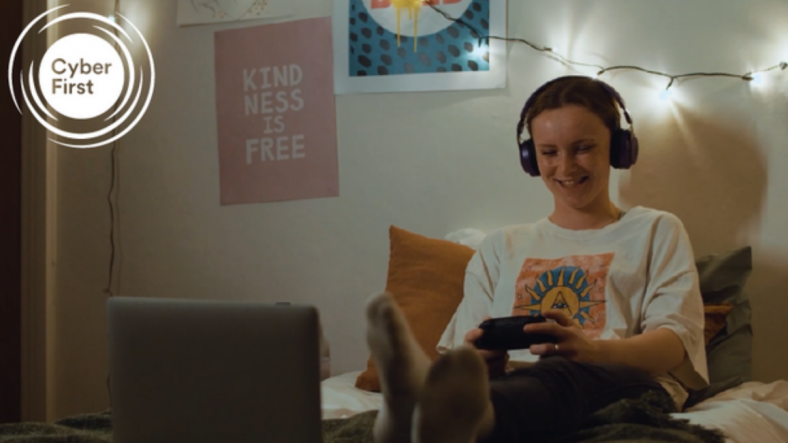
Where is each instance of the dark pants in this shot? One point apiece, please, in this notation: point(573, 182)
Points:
point(556, 395)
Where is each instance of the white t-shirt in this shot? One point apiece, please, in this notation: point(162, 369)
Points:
point(632, 276)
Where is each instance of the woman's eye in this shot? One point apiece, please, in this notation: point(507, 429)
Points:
point(548, 153)
point(583, 148)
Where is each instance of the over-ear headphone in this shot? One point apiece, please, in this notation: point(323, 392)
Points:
point(624, 146)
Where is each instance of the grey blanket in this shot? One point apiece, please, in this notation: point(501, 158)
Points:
point(646, 420)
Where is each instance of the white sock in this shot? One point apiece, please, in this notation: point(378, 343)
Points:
point(454, 401)
point(402, 366)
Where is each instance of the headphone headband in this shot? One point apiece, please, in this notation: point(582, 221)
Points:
point(536, 94)
point(620, 100)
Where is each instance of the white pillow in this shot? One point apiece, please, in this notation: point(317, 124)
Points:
point(468, 236)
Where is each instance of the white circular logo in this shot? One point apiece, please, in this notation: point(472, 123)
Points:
point(81, 76)
point(90, 77)
point(414, 21)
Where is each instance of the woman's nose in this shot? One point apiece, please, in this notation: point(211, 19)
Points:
point(566, 163)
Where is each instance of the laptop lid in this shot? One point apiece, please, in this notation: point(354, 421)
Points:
point(213, 371)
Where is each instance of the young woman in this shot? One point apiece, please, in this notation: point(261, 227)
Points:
point(619, 288)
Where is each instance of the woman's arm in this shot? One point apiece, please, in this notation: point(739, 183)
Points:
point(655, 352)
point(481, 274)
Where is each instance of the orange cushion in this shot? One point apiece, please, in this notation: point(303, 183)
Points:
point(426, 278)
point(715, 315)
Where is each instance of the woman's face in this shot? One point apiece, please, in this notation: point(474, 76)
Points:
point(573, 153)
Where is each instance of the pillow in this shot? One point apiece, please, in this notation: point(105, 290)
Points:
point(715, 315)
point(426, 278)
point(722, 280)
point(467, 236)
point(729, 351)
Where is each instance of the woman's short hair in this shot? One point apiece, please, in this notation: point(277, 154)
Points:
point(576, 90)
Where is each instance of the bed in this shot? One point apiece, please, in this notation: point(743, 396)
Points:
point(752, 412)
point(426, 276)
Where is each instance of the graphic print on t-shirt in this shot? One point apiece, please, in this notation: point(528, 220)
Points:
point(574, 284)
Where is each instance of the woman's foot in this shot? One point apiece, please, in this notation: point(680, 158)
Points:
point(454, 405)
point(402, 367)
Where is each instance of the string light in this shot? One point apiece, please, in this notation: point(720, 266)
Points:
point(479, 52)
point(753, 76)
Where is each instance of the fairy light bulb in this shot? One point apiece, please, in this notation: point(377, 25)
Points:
point(665, 95)
point(757, 79)
point(112, 18)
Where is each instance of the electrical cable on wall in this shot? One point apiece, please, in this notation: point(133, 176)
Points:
point(113, 208)
point(113, 194)
point(750, 76)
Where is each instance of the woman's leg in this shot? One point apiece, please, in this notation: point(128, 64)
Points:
point(556, 395)
point(452, 394)
point(454, 405)
point(402, 367)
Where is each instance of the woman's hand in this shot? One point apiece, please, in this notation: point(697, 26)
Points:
point(496, 360)
point(571, 341)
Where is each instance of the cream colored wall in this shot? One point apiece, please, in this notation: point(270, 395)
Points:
point(428, 162)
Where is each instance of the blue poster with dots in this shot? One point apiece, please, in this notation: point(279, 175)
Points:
point(410, 45)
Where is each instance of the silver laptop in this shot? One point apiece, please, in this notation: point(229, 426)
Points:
point(210, 371)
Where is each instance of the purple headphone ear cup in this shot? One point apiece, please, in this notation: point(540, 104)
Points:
point(528, 158)
point(615, 149)
point(635, 149)
point(624, 149)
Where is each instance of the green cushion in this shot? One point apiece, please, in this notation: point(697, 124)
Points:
point(722, 280)
point(729, 353)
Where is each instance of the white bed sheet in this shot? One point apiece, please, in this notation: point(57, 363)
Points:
point(752, 412)
point(341, 398)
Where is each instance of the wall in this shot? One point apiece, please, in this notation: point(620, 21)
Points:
point(428, 162)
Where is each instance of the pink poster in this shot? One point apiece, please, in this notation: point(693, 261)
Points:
point(276, 113)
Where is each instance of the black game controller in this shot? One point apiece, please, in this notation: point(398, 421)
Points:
point(507, 333)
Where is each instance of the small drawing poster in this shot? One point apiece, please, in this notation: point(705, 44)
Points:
point(276, 113)
point(409, 45)
point(196, 12)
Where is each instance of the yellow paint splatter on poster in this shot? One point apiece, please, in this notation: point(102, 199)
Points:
point(413, 7)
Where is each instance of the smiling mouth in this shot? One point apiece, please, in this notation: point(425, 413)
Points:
point(571, 184)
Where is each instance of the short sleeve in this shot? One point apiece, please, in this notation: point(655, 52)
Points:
point(481, 275)
point(673, 299)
